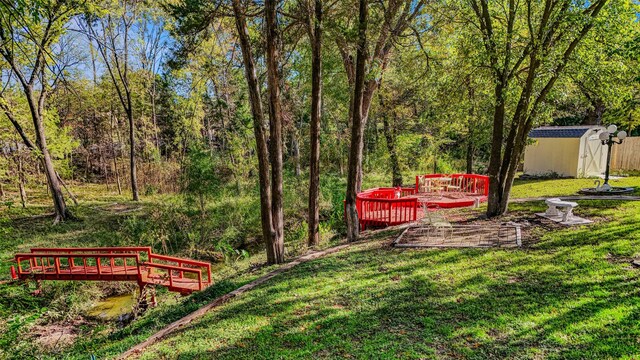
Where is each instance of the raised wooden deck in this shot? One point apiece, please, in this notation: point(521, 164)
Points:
point(393, 206)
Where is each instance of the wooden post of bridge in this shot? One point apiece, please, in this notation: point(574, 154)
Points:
point(146, 298)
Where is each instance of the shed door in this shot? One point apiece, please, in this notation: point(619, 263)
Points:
point(593, 157)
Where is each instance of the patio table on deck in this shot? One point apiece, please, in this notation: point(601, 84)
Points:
point(446, 200)
point(435, 184)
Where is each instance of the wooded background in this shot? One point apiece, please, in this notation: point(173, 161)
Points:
point(199, 97)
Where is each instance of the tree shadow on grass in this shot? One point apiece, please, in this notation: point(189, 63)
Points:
point(327, 309)
point(139, 330)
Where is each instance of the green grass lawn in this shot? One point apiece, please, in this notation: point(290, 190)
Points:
point(560, 187)
point(570, 294)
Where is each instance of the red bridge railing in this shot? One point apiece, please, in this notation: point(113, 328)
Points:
point(113, 264)
point(174, 277)
point(112, 250)
point(179, 266)
point(78, 266)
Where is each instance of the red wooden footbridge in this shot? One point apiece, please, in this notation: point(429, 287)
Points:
point(136, 264)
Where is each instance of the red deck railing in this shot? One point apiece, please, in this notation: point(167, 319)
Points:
point(394, 206)
point(386, 206)
point(113, 264)
point(468, 184)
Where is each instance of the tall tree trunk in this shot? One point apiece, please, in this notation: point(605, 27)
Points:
point(314, 130)
point(594, 115)
point(129, 110)
point(506, 153)
point(23, 193)
point(495, 158)
point(403, 12)
point(132, 156)
point(470, 126)
point(117, 67)
point(275, 129)
point(268, 232)
point(295, 147)
point(356, 147)
point(36, 108)
point(115, 154)
point(470, 151)
point(21, 180)
point(60, 206)
point(390, 137)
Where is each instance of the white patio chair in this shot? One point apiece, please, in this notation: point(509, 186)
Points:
point(435, 219)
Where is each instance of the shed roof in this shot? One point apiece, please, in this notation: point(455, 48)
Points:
point(560, 131)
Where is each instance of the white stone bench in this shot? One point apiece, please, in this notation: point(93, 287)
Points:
point(559, 207)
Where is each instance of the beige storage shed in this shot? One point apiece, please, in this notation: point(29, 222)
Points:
point(571, 151)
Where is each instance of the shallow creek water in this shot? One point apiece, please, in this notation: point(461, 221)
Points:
point(112, 307)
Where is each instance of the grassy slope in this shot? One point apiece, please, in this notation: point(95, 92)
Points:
point(109, 219)
point(571, 295)
point(358, 301)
